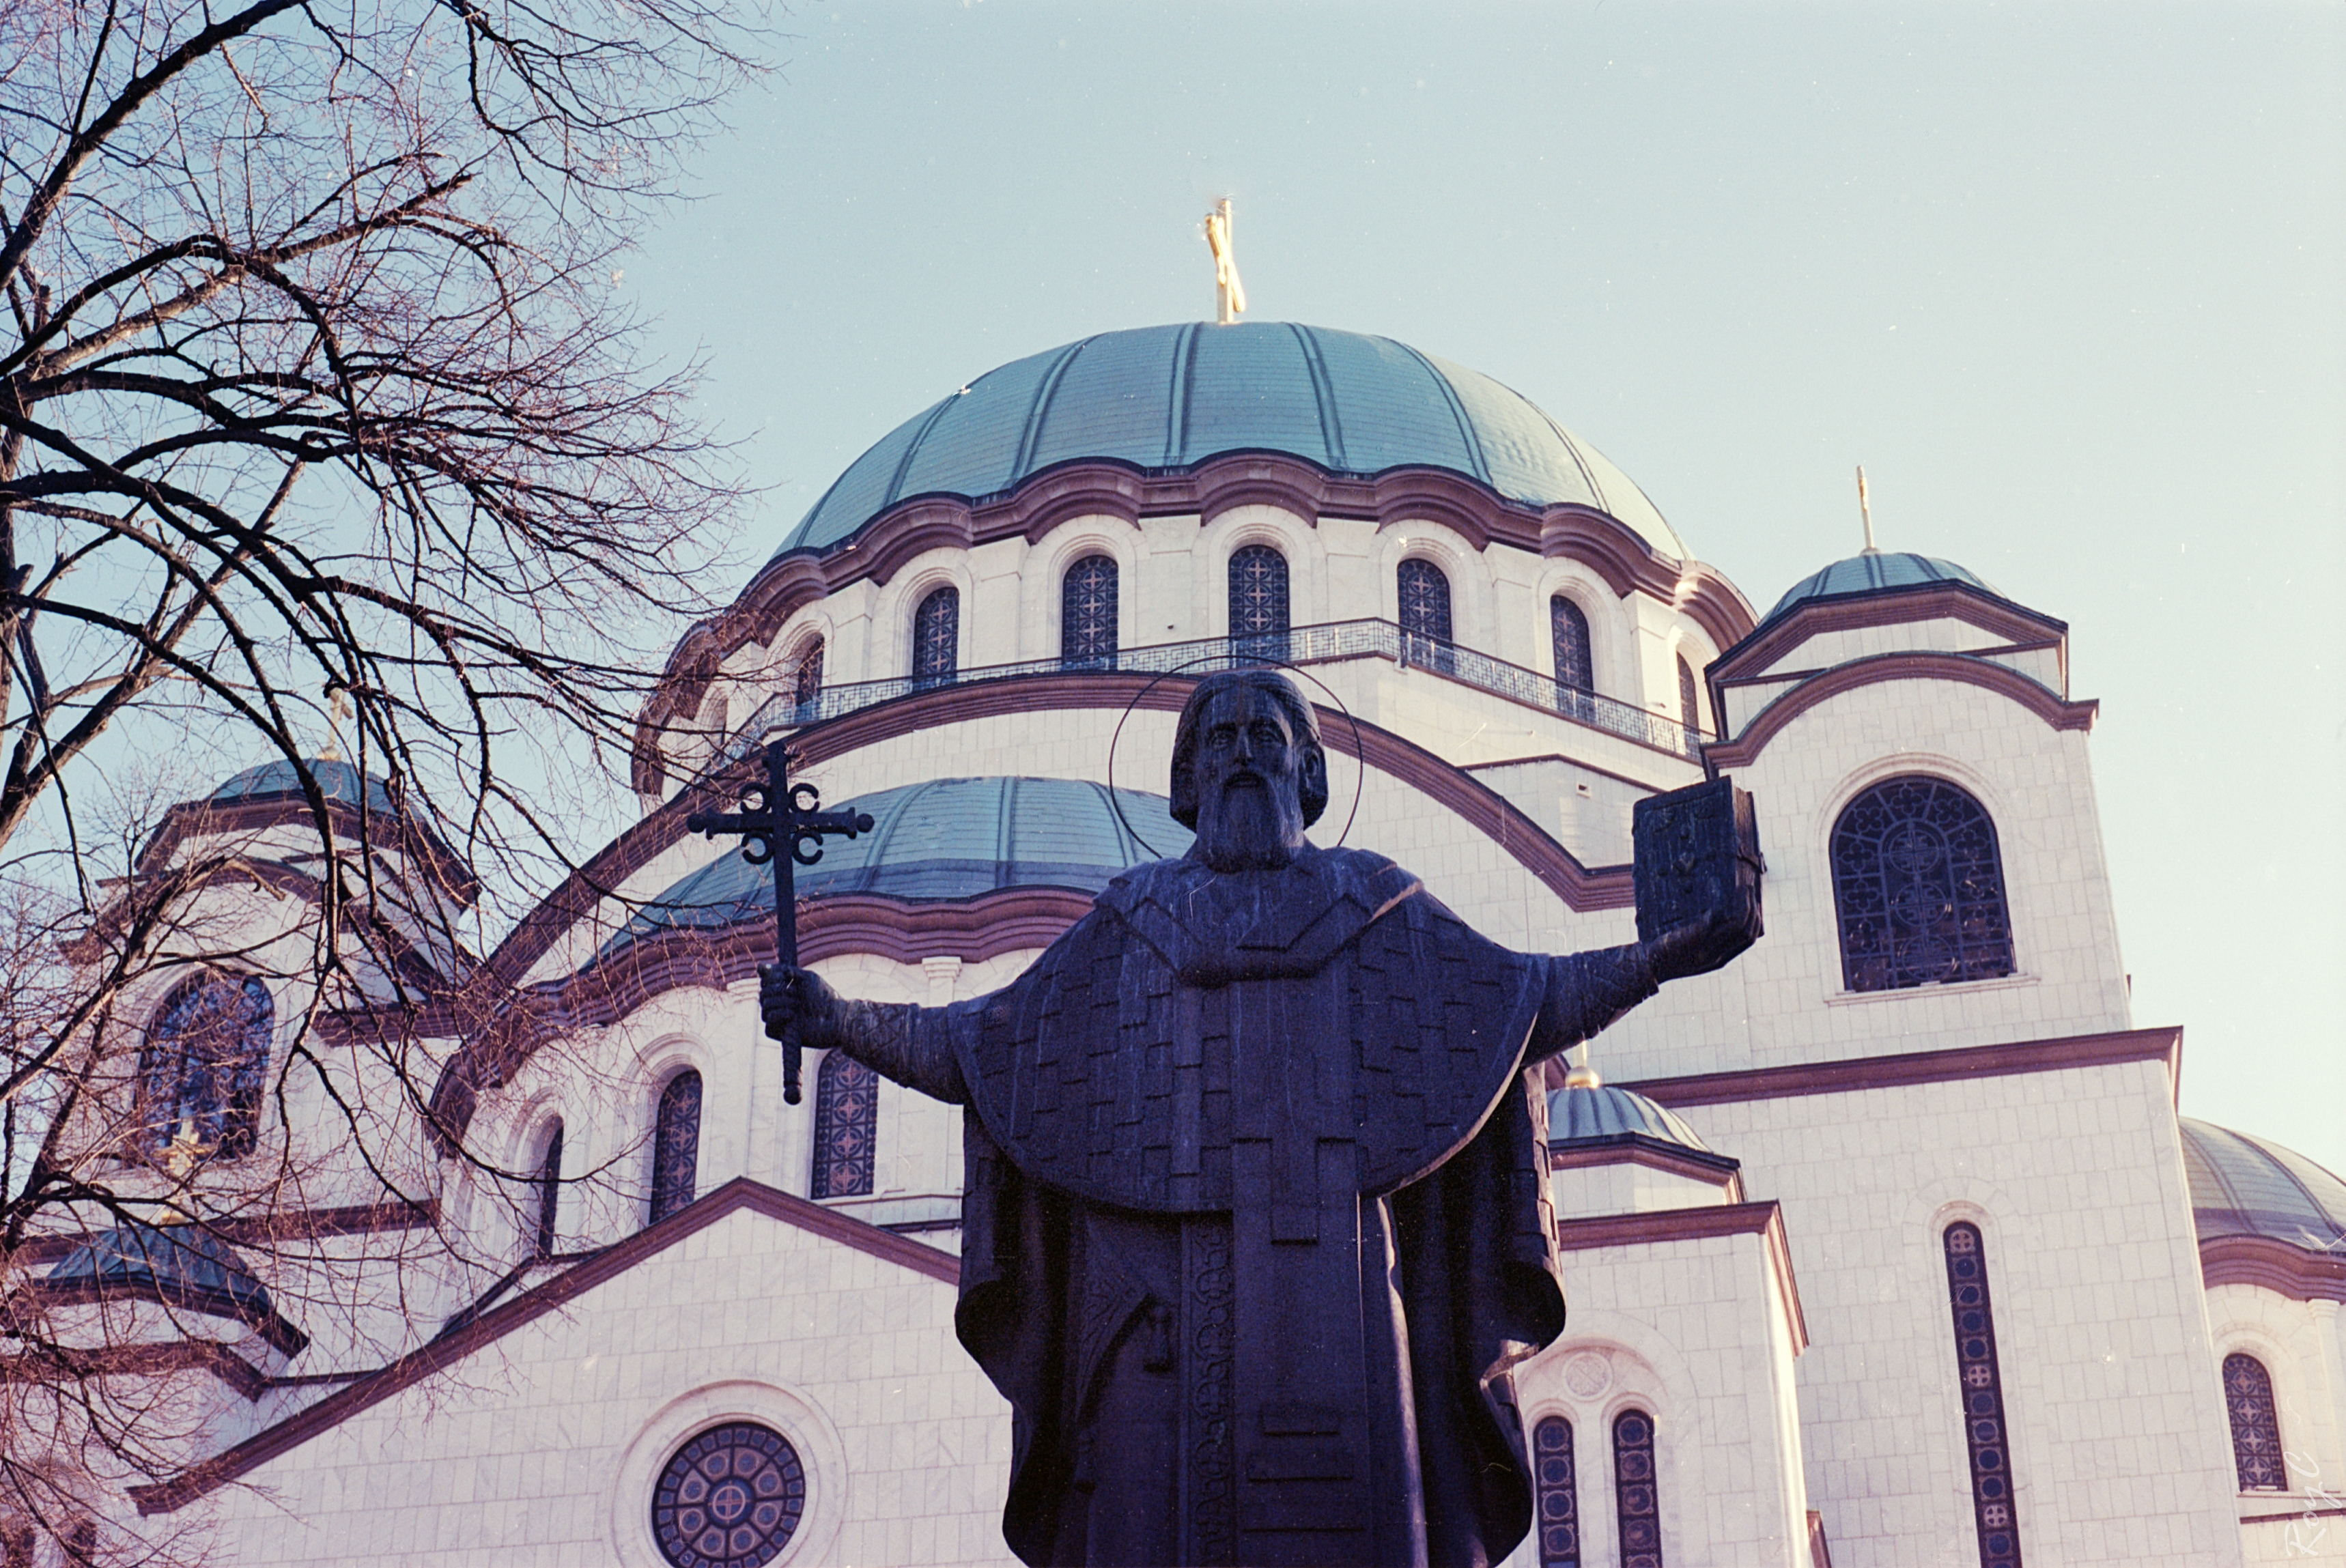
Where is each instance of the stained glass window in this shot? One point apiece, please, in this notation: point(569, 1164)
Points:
point(2256, 1428)
point(846, 1111)
point(1982, 1395)
point(676, 1145)
point(205, 1056)
point(1690, 698)
point(1424, 599)
point(1259, 602)
point(731, 1498)
point(1635, 1490)
point(1567, 629)
point(1918, 884)
point(806, 681)
point(1555, 1495)
point(936, 637)
point(1087, 610)
point(549, 1193)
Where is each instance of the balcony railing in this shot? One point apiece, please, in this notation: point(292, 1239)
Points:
point(1324, 643)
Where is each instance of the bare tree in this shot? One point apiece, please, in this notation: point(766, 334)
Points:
point(321, 432)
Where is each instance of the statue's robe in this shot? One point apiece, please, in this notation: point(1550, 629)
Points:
point(1256, 1223)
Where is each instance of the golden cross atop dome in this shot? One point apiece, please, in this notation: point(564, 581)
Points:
point(1229, 294)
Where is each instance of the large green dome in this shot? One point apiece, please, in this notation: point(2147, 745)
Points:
point(1170, 397)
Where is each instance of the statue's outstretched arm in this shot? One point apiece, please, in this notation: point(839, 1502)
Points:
point(1587, 991)
point(902, 1041)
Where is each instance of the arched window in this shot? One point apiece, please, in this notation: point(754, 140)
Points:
point(806, 681)
point(1919, 887)
point(1690, 698)
point(1087, 611)
point(846, 1111)
point(1982, 1395)
point(205, 1056)
point(548, 1182)
point(1259, 602)
point(936, 637)
point(676, 1145)
point(1568, 630)
point(1635, 1495)
point(1424, 599)
point(1424, 614)
point(2256, 1428)
point(1555, 1492)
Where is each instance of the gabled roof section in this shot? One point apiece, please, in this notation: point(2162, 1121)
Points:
point(450, 1348)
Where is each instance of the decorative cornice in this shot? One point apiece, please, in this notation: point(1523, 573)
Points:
point(385, 830)
point(2299, 1273)
point(1655, 1227)
point(654, 834)
point(1887, 607)
point(1963, 669)
point(270, 1324)
point(396, 951)
point(1088, 487)
point(1897, 1070)
point(501, 1030)
point(1643, 1149)
point(268, 1229)
point(138, 1362)
point(741, 1193)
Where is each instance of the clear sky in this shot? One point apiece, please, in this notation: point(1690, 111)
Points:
point(2070, 280)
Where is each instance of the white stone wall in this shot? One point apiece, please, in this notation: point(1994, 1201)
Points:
point(1784, 1001)
point(1691, 1333)
point(528, 1451)
point(2075, 1180)
point(2300, 1345)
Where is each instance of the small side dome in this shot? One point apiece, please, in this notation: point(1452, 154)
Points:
point(1873, 571)
point(939, 840)
point(337, 781)
point(178, 1264)
point(1598, 1113)
point(2243, 1186)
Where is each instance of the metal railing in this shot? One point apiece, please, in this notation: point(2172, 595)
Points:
point(1324, 643)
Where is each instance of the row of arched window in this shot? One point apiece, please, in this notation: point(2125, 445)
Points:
point(846, 1113)
point(1259, 612)
point(1636, 1492)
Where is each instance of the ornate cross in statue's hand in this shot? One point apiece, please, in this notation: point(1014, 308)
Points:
point(777, 815)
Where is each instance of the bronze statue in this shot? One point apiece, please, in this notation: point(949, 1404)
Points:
point(1255, 1224)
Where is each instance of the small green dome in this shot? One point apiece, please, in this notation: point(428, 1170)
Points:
point(2242, 1186)
point(938, 840)
point(1873, 571)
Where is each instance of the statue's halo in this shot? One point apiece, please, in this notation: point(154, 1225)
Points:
point(1359, 760)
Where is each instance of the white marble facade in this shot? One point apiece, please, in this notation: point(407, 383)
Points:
point(1788, 1329)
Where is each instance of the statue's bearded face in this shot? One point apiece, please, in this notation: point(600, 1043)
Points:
point(1248, 772)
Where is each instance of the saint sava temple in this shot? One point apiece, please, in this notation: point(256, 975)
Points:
point(1883, 1244)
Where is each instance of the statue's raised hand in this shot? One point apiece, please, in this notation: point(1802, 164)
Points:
point(788, 994)
point(1709, 940)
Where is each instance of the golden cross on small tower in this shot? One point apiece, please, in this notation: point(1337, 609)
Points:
point(1865, 511)
point(1229, 294)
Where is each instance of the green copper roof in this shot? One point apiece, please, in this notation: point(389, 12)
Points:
point(1875, 571)
point(1601, 1110)
point(2242, 1186)
point(1171, 397)
point(941, 839)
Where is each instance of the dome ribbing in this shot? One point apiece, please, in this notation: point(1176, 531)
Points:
point(1169, 398)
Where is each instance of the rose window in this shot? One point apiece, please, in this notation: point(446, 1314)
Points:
point(731, 1498)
